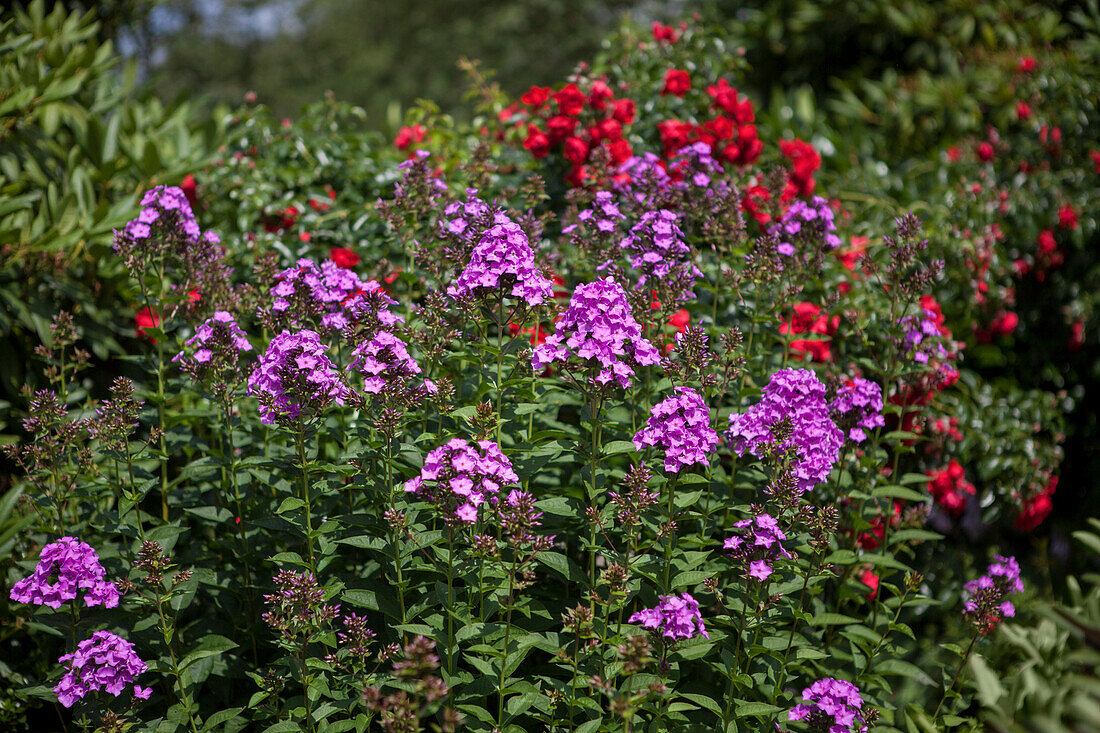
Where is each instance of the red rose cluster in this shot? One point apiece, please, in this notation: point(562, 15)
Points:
point(808, 318)
point(1037, 508)
point(949, 488)
point(804, 160)
point(729, 131)
point(575, 121)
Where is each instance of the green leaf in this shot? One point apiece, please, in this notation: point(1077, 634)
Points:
point(209, 646)
point(832, 619)
point(616, 447)
point(563, 566)
point(756, 708)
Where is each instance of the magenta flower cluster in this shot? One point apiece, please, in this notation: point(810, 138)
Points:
point(681, 424)
point(674, 617)
point(105, 661)
point(697, 165)
point(797, 396)
point(759, 546)
point(466, 221)
point(831, 706)
point(295, 379)
point(503, 260)
point(804, 221)
point(656, 248)
point(213, 353)
point(859, 403)
point(459, 477)
point(598, 327)
point(328, 292)
point(65, 568)
point(155, 205)
point(923, 340)
point(603, 214)
point(383, 360)
point(986, 603)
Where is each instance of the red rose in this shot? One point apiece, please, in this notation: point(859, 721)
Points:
point(674, 135)
point(848, 257)
point(561, 127)
point(143, 319)
point(808, 318)
point(597, 98)
point(664, 33)
point(804, 161)
point(985, 152)
point(1076, 335)
point(570, 100)
point(953, 154)
point(623, 111)
point(1067, 217)
point(677, 82)
point(1095, 155)
point(720, 127)
point(869, 579)
point(536, 96)
point(305, 236)
point(1023, 110)
point(680, 320)
point(575, 150)
point(576, 176)
point(190, 189)
point(610, 129)
point(1046, 242)
point(343, 257)
point(1026, 64)
point(1005, 323)
point(537, 142)
point(620, 151)
point(406, 136)
point(724, 96)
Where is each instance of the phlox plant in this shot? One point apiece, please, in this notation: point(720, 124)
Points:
point(536, 460)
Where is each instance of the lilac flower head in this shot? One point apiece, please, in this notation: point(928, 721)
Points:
point(675, 617)
point(598, 328)
point(459, 477)
point(647, 180)
point(923, 338)
point(105, 661)
point(466, 221)
point(986, 605)
point(295, 379)
point(325, 297)
point(383, 359)
point(798, 396)
point(759, 546)
point(603, 215)
point(697, 166)
point(859, 404)
point(74, 566)
point(809, 223)
point(502, 259)
point(166, 238)
point(212, 356)
point(656, 248)
point(832, 706)
point(680, 423)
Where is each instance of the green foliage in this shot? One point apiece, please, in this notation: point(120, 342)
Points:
point(78, 144)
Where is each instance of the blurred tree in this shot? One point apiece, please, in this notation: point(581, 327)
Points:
point(372, 52)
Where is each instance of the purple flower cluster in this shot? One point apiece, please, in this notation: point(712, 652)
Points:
point(859, 403)
point(647, 178)
point(759, 546)
point(831, 706)
point(73, 565)
point(155, 205)
point(297, 607)
point(656, 248)
point(295, 379)
point(214, 352)
point(465, 222)
point(680, 423)
point(459, 477)
point(503, 260)
point(598, 325)
point(697, 166)
point(674, 617)
point(165, 238)
point(384, 360)
point(923, 339)
point(986, 606)
point(810, 222)
point(106, 661)
point(310, 295)
point(797, 396)
point(603, 215)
